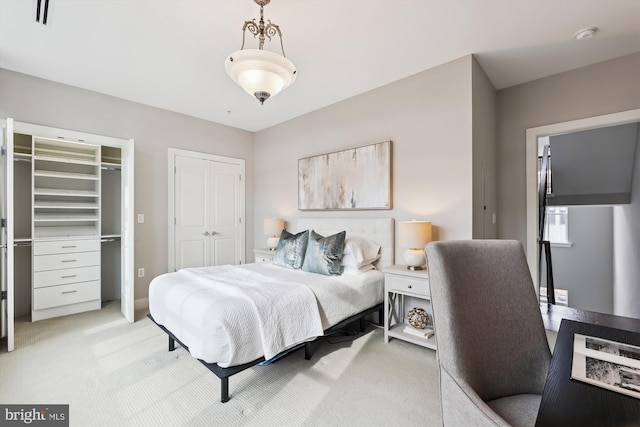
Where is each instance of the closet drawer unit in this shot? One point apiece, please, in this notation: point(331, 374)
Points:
point(43, 279)
point(65, 246)
point(55, 296)
point(62, 261)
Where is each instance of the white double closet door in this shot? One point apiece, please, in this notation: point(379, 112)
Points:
point(208, 210)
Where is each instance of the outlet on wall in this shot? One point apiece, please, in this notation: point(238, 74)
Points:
point(141, 272)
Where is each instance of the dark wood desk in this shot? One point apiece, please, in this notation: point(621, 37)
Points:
point(552, 315)
point(567, 402)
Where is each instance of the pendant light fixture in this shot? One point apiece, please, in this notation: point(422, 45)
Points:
point(260, 72)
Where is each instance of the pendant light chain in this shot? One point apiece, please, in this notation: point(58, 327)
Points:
point(262, 31)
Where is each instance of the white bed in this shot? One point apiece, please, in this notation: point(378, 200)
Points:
point(220, 324)
point(230, 316)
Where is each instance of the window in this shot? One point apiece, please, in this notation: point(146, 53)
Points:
point(556, 228)
point(562, 296)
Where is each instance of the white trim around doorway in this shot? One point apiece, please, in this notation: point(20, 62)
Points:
point(531, 191)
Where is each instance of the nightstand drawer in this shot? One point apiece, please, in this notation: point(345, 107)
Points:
point(263, 255)
point(406, 284)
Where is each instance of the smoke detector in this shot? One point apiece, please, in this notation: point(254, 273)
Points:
point(585, 33)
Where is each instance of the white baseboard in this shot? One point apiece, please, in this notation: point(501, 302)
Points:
point(141, 304)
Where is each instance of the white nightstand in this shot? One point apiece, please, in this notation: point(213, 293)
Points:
point(400, 282)
point(263, 255)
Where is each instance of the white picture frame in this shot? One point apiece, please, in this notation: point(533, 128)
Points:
point(608, 364)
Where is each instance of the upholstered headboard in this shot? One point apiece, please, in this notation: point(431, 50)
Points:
point(378, 230)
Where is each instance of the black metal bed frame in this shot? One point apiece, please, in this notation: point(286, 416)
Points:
point(225, 373)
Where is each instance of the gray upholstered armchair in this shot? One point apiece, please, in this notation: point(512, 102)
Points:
point(492, 347)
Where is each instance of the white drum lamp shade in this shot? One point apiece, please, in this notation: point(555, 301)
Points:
point(273, 228)
point(414, 235)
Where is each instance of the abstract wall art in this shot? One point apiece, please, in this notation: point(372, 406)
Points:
point(357, 178)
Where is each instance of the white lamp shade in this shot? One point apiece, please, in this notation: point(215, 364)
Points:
point(414, 234)
point(273, 226)
point(257, 70)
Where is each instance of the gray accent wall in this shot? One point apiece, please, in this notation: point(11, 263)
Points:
point(626, 278)
point(33, 100)
point(608, 87)
point(485, 147)
point(593, 167)
point(585, 268)
point(600, 269)
point(598, 89)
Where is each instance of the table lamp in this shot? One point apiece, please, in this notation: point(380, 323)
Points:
point(414, 235)
point(273, 227)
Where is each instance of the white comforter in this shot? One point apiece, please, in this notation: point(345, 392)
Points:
point(231, 315)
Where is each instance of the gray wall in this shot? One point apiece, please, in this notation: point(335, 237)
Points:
point(32, 100)
point(485, 146)
point(593, 167)
point(429, 119)
point(585, 268)
point(603, 88)
point(626, 287)
point(608, 87)
point(429, 116)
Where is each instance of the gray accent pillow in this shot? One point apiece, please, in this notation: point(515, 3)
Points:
point(291, 249)
point(324, 254)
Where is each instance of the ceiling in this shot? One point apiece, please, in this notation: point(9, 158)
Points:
point(170, 54)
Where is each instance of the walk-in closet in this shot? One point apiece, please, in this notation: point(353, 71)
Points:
point(67, 217)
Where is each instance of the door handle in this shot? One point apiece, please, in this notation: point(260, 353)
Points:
point(213, 233)
point(206, 233)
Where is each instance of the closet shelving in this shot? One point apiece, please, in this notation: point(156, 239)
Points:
point(66, 189)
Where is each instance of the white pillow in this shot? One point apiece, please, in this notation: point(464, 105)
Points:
point(359, 252)
point(363, 269)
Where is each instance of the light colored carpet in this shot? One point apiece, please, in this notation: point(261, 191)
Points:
point(111, 372)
